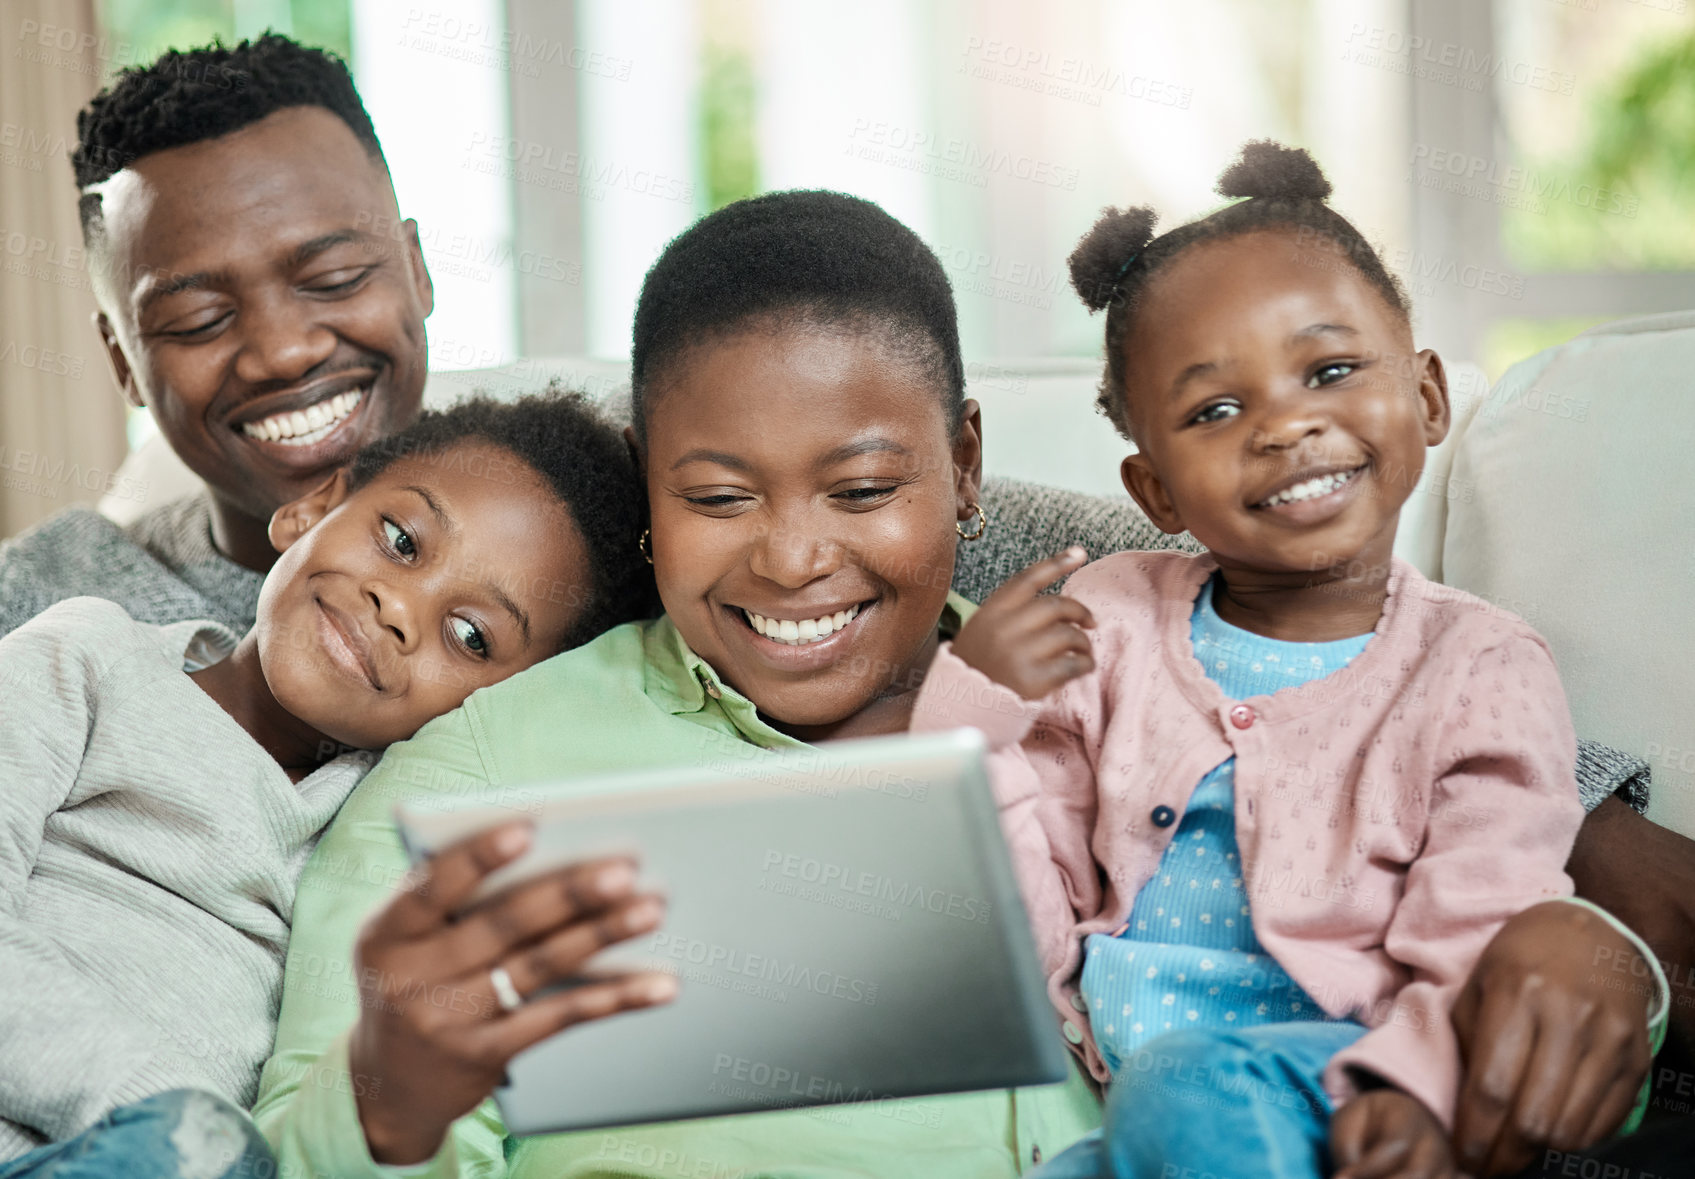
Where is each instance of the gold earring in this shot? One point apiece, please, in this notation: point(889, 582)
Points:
point(982, 524)
point(645, 544)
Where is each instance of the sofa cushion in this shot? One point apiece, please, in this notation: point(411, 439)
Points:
point(1581, 523)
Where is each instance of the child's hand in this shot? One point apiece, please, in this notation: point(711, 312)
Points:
point(1026, 641)
point(432, 1039)
point(1388, 1134)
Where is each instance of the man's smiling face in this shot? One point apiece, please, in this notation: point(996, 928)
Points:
point(261, 297)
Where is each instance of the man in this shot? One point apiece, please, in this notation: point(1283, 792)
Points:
point(258, 293)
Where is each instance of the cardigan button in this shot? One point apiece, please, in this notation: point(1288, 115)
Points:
point(1073, 1032)
point(1078, 1002)
point(1163, 816)
point(1241, 716)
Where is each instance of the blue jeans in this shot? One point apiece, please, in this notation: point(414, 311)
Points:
point(184, 1134)
point(1244, 1104)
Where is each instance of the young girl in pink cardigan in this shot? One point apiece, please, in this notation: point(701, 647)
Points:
point(1270, 803)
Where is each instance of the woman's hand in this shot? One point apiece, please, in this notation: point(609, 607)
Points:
point(1388, 1134)
point(432, 1041)
point(1555, 1052)
point(1025, 640)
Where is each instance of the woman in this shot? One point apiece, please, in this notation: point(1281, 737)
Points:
point(811, 465)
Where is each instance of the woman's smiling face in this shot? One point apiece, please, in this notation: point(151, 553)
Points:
point(804, 489)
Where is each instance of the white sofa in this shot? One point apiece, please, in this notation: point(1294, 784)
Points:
point(1554, 495)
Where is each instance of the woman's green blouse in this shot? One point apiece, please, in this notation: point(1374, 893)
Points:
point(636, 697)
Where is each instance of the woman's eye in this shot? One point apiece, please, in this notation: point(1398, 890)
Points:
point(714, 501)
point(864, 494)
point(469, 636)
point(1218, 411)
point(1329, 374)
point(398, 540)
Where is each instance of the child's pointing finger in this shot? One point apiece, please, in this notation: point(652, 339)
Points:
point(1033, 579)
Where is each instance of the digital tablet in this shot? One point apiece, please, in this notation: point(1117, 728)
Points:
point(843, 921)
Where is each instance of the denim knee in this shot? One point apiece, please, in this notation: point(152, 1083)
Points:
point(1187, 1071)
point(211, 1137)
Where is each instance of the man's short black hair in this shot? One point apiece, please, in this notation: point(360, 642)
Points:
point(801, 257)
point(189, 96)
point(581, 455)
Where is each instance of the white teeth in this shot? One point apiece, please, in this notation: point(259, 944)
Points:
point(1312, 488)
point(799, 633)
point(304, 427)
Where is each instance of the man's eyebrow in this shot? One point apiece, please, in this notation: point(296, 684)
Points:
point(201, 279)
point(722, 458)
point(177, 284)
point(306, 251)
point(863, 446)
point(1322, 329)
point(442, 518)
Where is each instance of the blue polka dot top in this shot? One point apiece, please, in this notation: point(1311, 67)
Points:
point(1188, 956)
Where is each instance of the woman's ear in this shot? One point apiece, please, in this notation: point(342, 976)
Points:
point(968, 459)
point(298, 517)
point(1149, 493)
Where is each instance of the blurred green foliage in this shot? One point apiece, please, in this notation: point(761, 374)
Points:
point(149, 28)
point(729, 152)
point(1638, 162)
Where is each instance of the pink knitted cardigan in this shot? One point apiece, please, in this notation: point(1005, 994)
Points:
point(1390, 816)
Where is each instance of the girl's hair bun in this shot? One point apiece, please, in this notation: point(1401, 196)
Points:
point(1102, 258)
point(1269, 169)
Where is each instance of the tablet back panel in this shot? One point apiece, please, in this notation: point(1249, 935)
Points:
point(844, 923)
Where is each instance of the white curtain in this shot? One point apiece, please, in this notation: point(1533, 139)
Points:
point(61, 416)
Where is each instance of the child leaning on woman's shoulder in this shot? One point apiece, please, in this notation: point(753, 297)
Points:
point(164, 785)
point(1274, 800)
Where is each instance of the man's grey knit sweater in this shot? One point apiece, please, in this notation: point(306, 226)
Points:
point(149, 850)
point(161, 569)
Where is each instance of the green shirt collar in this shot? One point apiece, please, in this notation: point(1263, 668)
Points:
point(682, 682)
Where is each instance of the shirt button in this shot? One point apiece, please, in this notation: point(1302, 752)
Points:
point(1073, 1032)
point(1241, 716)
point(1079, 1002)
point(1163, 816)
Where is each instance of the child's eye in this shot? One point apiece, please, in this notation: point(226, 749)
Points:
point(398, 540)
point(469, 636)
point(1218, 411)
point(1329, 374)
